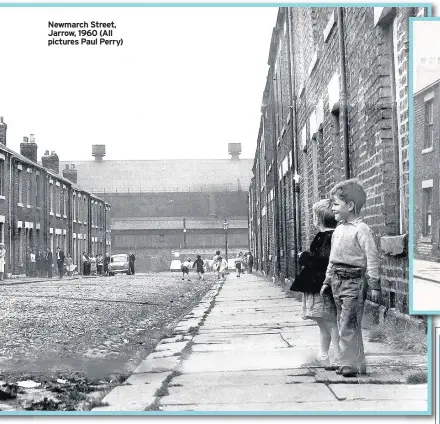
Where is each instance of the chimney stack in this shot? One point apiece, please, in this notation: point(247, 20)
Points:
point(3, 128)
point(51, 161)
point(28, 148)
point(234, 149)
point(98, 151)
point(71, 173)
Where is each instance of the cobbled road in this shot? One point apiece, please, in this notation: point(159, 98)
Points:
point(97, 328)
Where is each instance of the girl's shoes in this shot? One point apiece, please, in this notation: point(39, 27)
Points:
point(318, 363)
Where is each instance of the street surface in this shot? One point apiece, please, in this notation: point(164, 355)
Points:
point(249, 353)
point(95, 328)
point(426, 286)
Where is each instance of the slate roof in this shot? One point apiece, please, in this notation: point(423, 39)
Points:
point(122, 176)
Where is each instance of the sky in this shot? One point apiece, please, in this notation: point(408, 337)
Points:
point(423, 47)
point(184, 83)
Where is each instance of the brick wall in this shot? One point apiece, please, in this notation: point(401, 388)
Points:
point(375, 68)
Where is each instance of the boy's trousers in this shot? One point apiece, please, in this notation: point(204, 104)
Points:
point(349, 287)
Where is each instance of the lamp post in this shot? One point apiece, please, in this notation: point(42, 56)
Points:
point(225, 227)
point(184, 233)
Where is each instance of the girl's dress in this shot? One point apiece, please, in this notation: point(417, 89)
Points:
point(310, 279)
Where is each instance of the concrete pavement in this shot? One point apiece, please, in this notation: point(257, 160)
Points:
point(243, 349)
point(426, 270)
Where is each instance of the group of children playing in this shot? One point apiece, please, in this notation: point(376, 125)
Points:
point(342, 263)
point(219, 265)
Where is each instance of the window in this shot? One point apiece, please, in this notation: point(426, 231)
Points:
point(427, 211)
point(2, 176)
point(20, 185)
point(29, 190)
point(51, 197)
point(58, 199)
point(74, 206)
point(429, 124)
point(65, 202)
point(37, 190)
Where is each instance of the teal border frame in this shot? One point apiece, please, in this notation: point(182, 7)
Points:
point(411, 164)
point(428, 412)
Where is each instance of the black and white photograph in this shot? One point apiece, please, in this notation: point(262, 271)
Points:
point(426, 144)
point(207, 210)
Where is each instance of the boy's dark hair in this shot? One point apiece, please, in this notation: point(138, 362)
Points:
point(217, 252)
point(350, 191)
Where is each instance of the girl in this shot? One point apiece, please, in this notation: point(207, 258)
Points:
point(310, 280)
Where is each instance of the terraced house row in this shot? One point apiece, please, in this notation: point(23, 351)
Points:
point(335, 106)
point(40, 208)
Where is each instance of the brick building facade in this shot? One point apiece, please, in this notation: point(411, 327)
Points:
point(426, 107)
point(36, 206)
point(335, 106)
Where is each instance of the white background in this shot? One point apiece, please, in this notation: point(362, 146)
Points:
point(113, 58)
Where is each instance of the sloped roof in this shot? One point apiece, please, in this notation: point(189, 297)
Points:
point(173, 223)
point(172, 175)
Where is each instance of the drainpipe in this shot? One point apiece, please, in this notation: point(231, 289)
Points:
point(294, 130)
point(276, 198)
point(343, 93)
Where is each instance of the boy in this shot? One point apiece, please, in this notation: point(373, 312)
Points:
point(353, 267)
point(238, 262)
point(199, 265)
point(222, 268)
point(185, 269)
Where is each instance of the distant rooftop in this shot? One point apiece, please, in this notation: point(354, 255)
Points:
point(134, 176)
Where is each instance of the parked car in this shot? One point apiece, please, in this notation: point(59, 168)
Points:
point(119, 264)
point(175, 265)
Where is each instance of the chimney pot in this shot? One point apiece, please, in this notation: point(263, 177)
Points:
point(29, 150)
point(3, 128)
point(51, 161)
point(32, 138)
point(71, 173)
point(46, 153)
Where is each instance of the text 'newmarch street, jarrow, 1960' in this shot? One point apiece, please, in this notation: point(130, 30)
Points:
point(79, 34)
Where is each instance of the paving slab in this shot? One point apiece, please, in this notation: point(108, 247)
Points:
point(154, 378)
point(374, 376)
point(130, 397)
point(401, 392)
point(157, 365)
point(240, 342)
point(364, 406)
point(172, 347)
point(242, 378)
point(245, 360)
point(248, 394)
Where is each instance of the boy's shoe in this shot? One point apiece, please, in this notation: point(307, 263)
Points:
point(350, 371)
point(332, 367)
